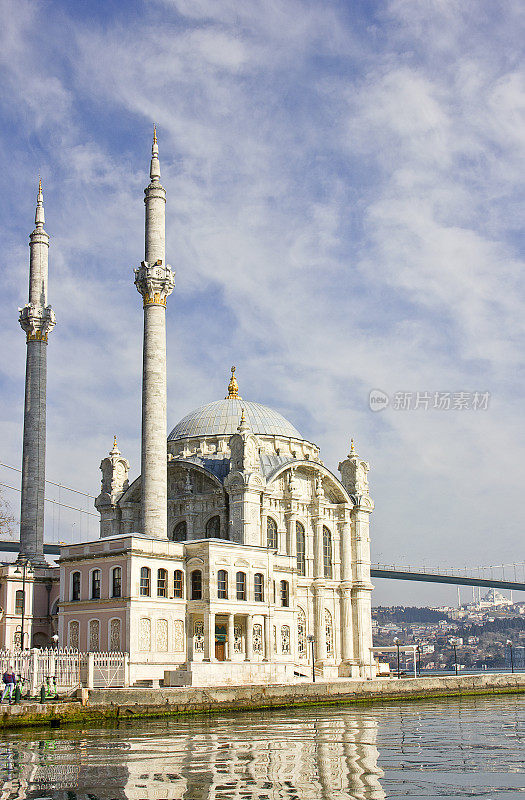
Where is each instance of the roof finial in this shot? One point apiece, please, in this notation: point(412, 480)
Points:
point(243, 424)
point(352, 448)
point(115, 449)
point(39, 213)
point(233, 387)
point(154, 171)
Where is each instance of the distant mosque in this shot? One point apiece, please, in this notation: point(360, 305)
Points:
point(233, 558)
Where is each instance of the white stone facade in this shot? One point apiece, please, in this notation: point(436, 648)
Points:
point(236, 545)
point(271, 551)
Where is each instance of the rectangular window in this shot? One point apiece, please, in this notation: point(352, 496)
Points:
point(222, 584)
point(162, 583)
point(95, 584)
point(177, 583)
point(19, 602)
point(258, 586)
point(75, 586)
point(241, 585)
point(117, 582)
point(145, 582)
point(285, 599)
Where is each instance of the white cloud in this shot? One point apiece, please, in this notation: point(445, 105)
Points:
point(343, 199)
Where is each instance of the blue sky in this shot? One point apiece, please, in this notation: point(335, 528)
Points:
point(344, 214)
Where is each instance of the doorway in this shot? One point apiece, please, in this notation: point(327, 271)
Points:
point(220, 642)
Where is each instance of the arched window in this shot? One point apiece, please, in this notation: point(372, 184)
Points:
point(180, 531)
point(271, 533)
point(95, 584)
point(145, 582)
point(285, 594)
point(327, 552)
point(75, 586)
point(178, 586)
point(329, 633)
point(301, 548)
point(240, 584)
point(19, 601)
point(301, 634)
point(222, 584)
point(162, 582)
point(258, 586)
point(213, 528)
point(116, 582)
point(196, 585)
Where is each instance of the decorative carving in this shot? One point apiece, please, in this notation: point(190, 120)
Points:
point(198, 637)
point(178, 635)
point(114, 635)
point(301, 634)
point(115, 471)
point(94, 635)
point(36, 321)
point(145, 634)
point(285, 640)
point(162, 635)
point(154, 282)
point(74, 635)
point(257, 641)
point(354, 473)
point(237, 639)
point(328, 632)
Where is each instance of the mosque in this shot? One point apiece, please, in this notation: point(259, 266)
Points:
point(235, 557)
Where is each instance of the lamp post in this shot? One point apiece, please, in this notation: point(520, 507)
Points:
point(396, 642)
point(311, 640)
point(418, 650)
point(55, 639)
point(24, 564)
point(509, 645)
point(455, 659)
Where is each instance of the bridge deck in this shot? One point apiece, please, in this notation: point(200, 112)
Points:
point(393, 574)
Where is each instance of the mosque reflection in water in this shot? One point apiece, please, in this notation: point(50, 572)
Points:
point(292, 757)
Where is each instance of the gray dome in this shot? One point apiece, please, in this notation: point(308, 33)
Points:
point(223, 416)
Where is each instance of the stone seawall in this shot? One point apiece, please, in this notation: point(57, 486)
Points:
point(109, 705)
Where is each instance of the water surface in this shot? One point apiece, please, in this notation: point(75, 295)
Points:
point(468, 747)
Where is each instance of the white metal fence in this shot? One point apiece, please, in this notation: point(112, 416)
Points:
point(67, 669)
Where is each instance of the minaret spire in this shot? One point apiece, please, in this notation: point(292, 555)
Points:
point(154, 280)
point(36, 319)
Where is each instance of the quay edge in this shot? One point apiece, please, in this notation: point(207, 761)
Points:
point(98, 706)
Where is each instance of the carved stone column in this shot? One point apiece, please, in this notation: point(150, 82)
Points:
point(209, 636)
point(249, 637)
point(231, 636)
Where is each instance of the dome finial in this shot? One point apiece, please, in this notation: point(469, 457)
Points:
point(115, 449)
point(154, 133)
point(233, 387)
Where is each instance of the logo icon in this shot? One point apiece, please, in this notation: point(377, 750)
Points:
point(378, 400)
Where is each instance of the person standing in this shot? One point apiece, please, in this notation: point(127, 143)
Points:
point(9, 680)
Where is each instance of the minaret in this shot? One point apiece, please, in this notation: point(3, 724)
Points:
point(36, 319)
point(154, 280)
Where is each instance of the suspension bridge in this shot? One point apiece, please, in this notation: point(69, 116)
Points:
point(500, 576)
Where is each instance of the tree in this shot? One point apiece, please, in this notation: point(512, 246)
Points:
point(7, 521)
